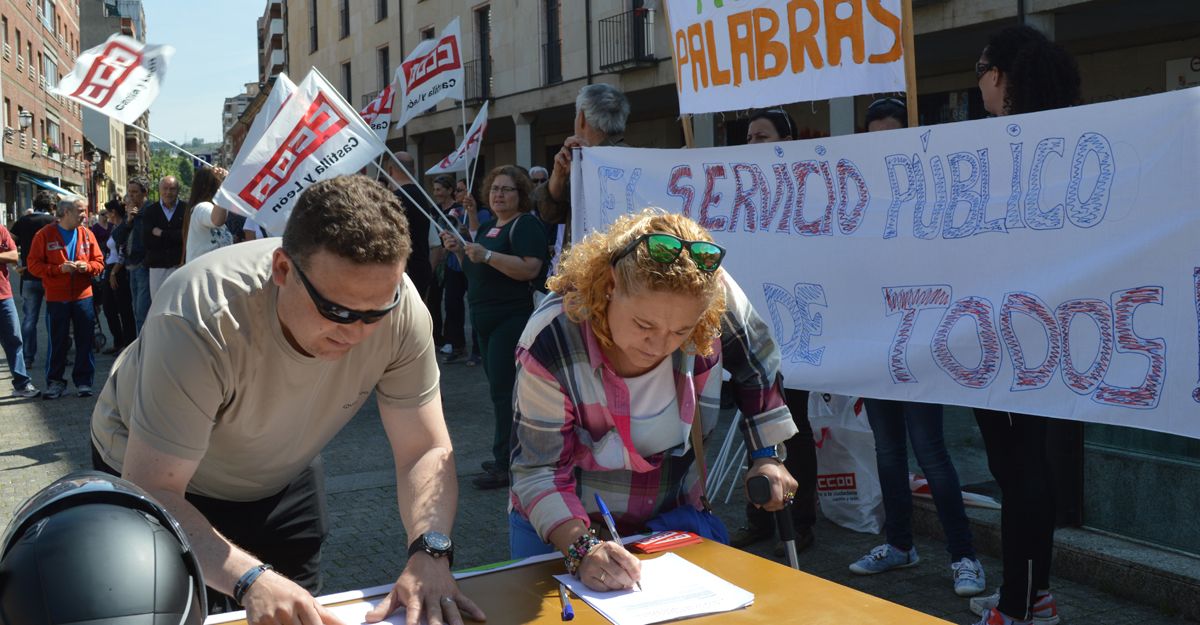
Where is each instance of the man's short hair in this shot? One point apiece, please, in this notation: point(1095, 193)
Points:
point(45, 201)
point(604, 107)
point(352, 217)
point(538, 169)
point(66, 205)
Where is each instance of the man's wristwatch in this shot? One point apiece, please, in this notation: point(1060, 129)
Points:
point(487, 258)
point(436, 544)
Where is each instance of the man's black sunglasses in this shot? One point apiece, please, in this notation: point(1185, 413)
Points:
point(982, 68)
point(341, 314)
point(666, 249)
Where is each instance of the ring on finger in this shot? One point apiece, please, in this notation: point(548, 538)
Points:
point(448, 601)
point(601, 576)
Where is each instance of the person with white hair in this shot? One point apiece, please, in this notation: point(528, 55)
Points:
point(600, 114)
point(66, 256)
point(538, 174)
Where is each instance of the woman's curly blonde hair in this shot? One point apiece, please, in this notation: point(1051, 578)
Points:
point(584, 279)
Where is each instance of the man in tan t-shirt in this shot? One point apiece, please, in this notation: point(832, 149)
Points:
point(252, 358)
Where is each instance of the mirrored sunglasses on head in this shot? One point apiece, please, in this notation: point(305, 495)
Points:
point(667, 248)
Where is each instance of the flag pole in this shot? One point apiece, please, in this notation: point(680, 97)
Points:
point(202, 161)
point(432, 219)
point(910, 63)
point(462, 107)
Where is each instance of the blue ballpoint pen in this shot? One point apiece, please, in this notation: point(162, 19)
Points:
point(568, 613)
point(612, 525)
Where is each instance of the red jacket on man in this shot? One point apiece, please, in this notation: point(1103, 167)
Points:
point(48, 252)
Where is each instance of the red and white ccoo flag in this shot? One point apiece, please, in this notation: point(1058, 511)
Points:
point(120, 77)
point(460, 159)
point(315, 136)
point(432, 73)
point(378, 114)
point(280, 92)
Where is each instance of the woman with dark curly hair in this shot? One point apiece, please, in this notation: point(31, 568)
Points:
point(614, 369)
point(507, 255)
point(1021, 71)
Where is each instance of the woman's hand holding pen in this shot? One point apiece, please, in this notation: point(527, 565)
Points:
point(609, 566)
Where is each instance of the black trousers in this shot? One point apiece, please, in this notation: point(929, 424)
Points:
point(285, 530)
point(454, 327)
point(1017, 457)
point(118, 308)
point(801, 462)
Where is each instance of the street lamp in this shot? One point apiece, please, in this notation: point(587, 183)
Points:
point(78, 148)
point(25, 119)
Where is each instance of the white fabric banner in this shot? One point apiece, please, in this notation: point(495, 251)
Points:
point(758, 53)
point(315, 136)
point(378, 114)
point(280, 92)
point(119, 78)
point(1041, 263)
point(468, 150)
point(432, 73)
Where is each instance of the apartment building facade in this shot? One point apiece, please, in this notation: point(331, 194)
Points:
point(43, 133)
point(528, 59)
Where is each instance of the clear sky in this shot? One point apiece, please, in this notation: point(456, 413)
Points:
point(216, 53)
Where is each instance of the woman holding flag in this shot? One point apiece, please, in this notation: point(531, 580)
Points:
point(508, 255)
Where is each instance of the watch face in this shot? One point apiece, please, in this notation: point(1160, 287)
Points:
point(437, 541)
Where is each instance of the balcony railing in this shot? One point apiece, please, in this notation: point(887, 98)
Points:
point(552, 54)
point(478, 74)
point(7, 51)
point(627, 40)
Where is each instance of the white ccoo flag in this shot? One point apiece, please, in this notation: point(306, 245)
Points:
point(432, 73)
point(459, 159)
point(315, 136)
point(119, 78)
point(280, 92)
point(378, 114)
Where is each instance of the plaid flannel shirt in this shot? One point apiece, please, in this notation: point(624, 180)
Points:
point(572, 425)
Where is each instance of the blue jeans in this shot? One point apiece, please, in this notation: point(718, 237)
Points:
point(139, 285)
point(10, 335)
point(63, 318)
point(890, 421)
point(32, 294)
point(523, 540)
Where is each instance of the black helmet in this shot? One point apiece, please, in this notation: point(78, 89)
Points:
point(92, 548)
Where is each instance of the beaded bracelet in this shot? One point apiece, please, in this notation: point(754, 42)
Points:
point(578, 549)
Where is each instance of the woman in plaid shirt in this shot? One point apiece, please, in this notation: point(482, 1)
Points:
point(610, 368)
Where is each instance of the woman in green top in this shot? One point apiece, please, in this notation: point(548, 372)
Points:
point(508, 253)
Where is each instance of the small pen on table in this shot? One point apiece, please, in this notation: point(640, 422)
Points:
point(612, 525)
point(568, 612)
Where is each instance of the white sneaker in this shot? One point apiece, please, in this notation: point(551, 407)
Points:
point(28, 391)
point(446, 349)
point(968, 578)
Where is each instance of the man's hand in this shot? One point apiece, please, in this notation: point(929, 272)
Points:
point(158, 232)
point(783, 485)
point(609, 566)
point(561, 172)
point(276, 600)
point(81, 266)
point(68, 267)
point(427, 589)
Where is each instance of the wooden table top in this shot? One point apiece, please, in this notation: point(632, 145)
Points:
point(781, 595)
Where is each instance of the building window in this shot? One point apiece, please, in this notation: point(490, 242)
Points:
point(8, 121)
point(48, 15)
point(312, 25)
point(4, 22)
point(552, 46)
point(344, 17)
point(381, 10)
point(50, 71)
point(385, 67)
point(18, 43)
point(346, 84)
point(482, 81)
point(51, 135)
point(427, 33)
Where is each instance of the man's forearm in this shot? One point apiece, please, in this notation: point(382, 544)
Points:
point(221, 561)
point(427, 493)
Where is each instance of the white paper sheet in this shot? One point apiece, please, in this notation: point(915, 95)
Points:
point(672, 588)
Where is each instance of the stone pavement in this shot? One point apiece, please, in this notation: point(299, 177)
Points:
point(42, 440)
